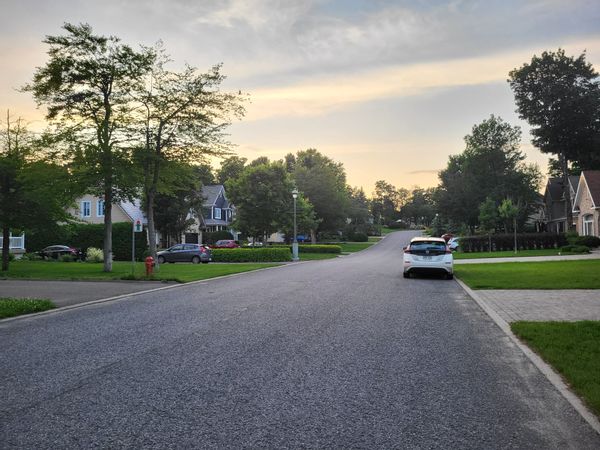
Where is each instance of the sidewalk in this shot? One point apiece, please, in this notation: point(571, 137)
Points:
point(543, 305)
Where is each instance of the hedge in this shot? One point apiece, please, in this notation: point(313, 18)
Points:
point(312, 248)
point(588, 241)
point(83, 236)
point(501, 242)
point(269, 254)
point(317, 248)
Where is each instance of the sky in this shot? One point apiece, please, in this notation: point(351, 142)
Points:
point(388, 88)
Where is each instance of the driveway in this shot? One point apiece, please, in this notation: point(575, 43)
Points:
point(340, 353)
point(66, 293)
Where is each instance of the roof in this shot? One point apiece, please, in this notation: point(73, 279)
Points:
point(592, 179)
point(134, 210)
point(554, 188)
point(211, 192)
point(574, 180)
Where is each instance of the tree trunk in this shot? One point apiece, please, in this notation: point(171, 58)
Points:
point(5, 248)
point(515, 231)
point(566, 191)
point(108, 199)
point(151, 226)
point(313, 237)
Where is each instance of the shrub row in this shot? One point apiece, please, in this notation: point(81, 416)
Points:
point(269, 254)
point(501, 242)
point(312, 248)
point(575, 249)
point(588, 241)
point(83, 236)
point(319, 248)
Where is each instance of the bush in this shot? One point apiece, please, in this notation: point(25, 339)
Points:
point(211, 238)
point(588, 241)
point(94, 255)
point(67, 258)
point(31, 257)
point(358, 237)
point(85, 235)
point(574, 249)
point(269, 254)
point(502, 242)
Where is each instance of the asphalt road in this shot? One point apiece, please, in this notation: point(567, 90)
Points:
point(341, 353)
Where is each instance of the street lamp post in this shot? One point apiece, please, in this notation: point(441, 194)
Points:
point(295, 242)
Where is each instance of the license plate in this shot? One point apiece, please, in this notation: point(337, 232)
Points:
point(427, 258)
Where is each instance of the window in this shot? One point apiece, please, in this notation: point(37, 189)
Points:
point(86, 208)
point(217, 213)
point(588, 225)
point(100, 208)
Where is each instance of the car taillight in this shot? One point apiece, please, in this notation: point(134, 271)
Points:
point(407, 251)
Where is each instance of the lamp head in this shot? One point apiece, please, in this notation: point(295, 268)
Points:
point(295, 193)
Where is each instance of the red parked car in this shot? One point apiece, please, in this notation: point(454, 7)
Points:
point(226, 243)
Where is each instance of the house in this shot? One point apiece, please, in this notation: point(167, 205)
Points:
point(16, 244)
point(91, 209)
point(587, 203)
point(555, 213)
point(217, 214)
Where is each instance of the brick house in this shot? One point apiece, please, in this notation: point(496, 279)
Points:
point(587, 203)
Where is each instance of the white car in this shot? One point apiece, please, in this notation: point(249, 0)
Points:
point(428, 255)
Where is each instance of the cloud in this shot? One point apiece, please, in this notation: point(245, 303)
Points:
point(323, 94)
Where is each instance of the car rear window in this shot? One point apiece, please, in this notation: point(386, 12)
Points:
point(427, 247)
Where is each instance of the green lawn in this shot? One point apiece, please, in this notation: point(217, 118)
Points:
point(11, 307)
point(509, 254)
point(352, 247)
point(51, 270)
point(579, 274)
point(572, 348)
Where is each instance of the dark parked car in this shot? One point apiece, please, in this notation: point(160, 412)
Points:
point(186, 253)
point(226, 243)
point(56, 251)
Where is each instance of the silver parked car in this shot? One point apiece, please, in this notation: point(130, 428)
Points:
point(194, 253)
point(428, 255)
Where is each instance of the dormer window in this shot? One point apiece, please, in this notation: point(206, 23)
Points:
point(217, 213)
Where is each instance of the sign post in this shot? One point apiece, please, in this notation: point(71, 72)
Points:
point(137, 228)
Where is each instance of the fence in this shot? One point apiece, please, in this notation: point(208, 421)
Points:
point(15, 242)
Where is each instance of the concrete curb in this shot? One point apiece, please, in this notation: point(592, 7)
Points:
point(133, 294)
point(542, 366)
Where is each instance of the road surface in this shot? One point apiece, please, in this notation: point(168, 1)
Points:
point(341, 353)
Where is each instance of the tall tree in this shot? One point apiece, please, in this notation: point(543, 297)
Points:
point(33, 191)
point(323, 182)
point(509, 212)
point(263, 197)
point(184, 120)
point(420, 207)
point(559, 96)
point(387, 201)
point(231, 168)
point(87, 85)
point(490, 166)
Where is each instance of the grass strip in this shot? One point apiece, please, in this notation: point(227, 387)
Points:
point(181, 272)
point(579, 274)
point(353, 247)
point(11, 307)
point(510, 254)
point(573, 349)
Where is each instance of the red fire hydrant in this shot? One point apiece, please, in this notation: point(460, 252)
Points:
point(149, 262)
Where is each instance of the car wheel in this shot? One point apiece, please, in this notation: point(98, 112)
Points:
point(449, 276)
point(196, 259)
point(406, 274)
point(161, 259)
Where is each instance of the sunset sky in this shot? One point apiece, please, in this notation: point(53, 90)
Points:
point(388, 88)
